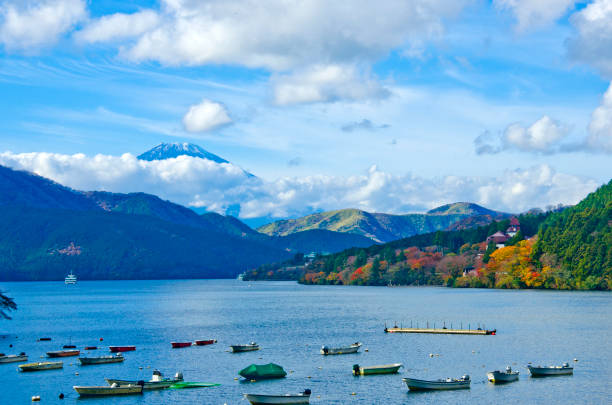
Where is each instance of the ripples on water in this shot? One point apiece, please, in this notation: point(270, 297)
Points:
point(291, 322)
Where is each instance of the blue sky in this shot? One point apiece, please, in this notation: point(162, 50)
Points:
point(501, 102)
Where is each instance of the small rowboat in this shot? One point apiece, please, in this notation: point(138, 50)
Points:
point(205, 342)
point(118, 349)
point(158, 381)
point(178, 345)
point(325, 350)
point(245, 348)
point(539, 371)
point(63, 353)
point(86, 361)
point(384, 369)
point(44, 339)
point(262, 371)
point(498, 377)
point(186, 384)
point(91, 348)
point(13, 358)
point(262, 399)
point(441, 384)
point(96, 391)
point(45, 365)
point(69, 347)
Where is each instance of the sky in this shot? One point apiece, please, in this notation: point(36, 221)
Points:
point(387, 106)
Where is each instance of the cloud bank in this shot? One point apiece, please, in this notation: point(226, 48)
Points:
point(218, 187)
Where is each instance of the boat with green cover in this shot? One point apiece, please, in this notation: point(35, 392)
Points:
point(262, 371)
point(369, 370)
point(186, 384)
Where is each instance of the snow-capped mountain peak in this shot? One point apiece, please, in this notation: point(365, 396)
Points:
point(173, 150)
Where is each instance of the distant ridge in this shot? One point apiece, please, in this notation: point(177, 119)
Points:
point(174, 150)
point(386, 227)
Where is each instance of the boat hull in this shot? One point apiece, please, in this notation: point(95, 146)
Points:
point(550, 371)
point(244, 348)
point(205, 342)
point(107, 391)
point(47, 365)
point(178, 345)
point(121, 349)
point(257, 399)
point(372, 370)
point(498, 377)
point(340, 350)
point(13, 358)
point(87, 361)
point(426, 385)
point(148, 385)
point(63, 353)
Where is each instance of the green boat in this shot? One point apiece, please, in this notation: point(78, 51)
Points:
point(262, 371)
point(384, 369)
point(185, 384)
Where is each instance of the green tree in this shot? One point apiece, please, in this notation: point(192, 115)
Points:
point(6, 304)
point(490, 249)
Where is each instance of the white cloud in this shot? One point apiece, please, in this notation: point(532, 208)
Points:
point(600, 127)
point(543, 136)
point(205, 116)
point(592, 42)
point(531, 14)
point(28, 25)
point(118, 26)
point(285, 34)
point(199, 182)
point(326, 83)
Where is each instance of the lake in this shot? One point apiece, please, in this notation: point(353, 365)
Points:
point(291, 322)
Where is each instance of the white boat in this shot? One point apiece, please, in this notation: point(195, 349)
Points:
point(96, 391)
point(13, 358)
point(70, 279)
point(441, 384)
point(85, 361)
point(245, 348)
point(370, 370)
point(45, 365)
point(539, 371)
point(157, 382)
point(263, 399)
point(325, 350)
point(503, 376)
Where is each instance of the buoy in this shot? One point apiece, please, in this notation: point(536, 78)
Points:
point(430, 354)
point(36, 398)
point(61, 396)
point(101, 339)
point(309, 377)
point(320, 367)
point(473, 351)
point(235, 378)
point(366, 350)
point(11, 345)
point(575, 359)
point(140, 368)
point(77, 373)
point(353, 393)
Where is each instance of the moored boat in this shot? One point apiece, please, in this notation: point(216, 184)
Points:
point(286, 399)
point(245, 348)
point(383, 369)
point(96, 391)
point(262, 371)
point(177, 345)
point(86, 361)
point(119, 349)
point(157, 382)
point(13, 358)
point(188, 384)
point(45, 365)
point(91, 348)
point(503, 376)
point(539, 371)
point(205, 342)
point(326, 350)
point(63, 353)
point(440, 384)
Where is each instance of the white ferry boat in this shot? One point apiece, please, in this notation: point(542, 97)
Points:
point(70, 279)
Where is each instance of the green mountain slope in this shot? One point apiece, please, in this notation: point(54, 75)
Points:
point(46, 244)
point(384, 227)
point(578, 240)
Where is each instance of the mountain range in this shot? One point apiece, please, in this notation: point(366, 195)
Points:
point(47, 230)
point(383, 228)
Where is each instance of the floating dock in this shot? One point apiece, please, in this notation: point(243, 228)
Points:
point(443, 331)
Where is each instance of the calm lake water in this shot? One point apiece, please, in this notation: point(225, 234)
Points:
point(291, 322)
